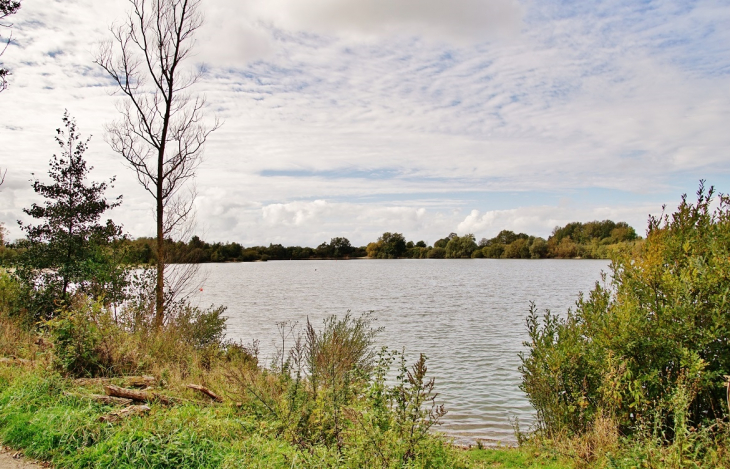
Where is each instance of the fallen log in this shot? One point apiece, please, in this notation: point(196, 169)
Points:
point(110, 400)
point(129, 381)
point(136, 395)
point(91, 381)
point(205, 391)
point(140, 381)
point(126, 412)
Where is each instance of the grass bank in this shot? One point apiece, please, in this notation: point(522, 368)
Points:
point(262, 423)
point(54, 419)
point(323, 402)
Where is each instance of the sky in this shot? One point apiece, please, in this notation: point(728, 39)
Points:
point(425, 117)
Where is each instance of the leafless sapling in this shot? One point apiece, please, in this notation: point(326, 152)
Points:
point(161, 132)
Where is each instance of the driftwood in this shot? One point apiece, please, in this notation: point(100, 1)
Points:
point(140, 381)
point(205, 391)
point(111, 400)
point(135, 395)
point(91, 381)
point(126, 412)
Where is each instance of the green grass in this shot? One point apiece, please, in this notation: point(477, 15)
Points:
point(40, 417)
point(522, 458)
point(37, 416)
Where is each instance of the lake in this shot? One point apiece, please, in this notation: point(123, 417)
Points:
point(466, 315)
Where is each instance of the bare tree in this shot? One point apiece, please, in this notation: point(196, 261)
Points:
point(7, 8)
point(3, 231)
point(161, 132)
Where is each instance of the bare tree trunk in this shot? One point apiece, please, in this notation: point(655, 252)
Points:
point(160, 281)
point(161, 134)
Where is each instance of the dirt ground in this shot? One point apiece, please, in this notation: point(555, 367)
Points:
point(10, 459)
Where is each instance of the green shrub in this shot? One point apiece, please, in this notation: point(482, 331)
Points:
point(11, 299)
point(436, 253)
point(79, 345)
point(332, 399)
point(493, 251)
point(201, 327)
point(660, 322)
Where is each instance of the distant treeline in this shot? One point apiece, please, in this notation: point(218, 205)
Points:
point(141, 251)
point(592, 240)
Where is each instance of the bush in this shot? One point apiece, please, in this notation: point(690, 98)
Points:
point(538, 249)
point(436, 253)
point(11, 297)
point(391, 428)
point(200, 327)
point(331, 395)
point(656, 329)
point(518, 249)
point(493, 251)
point(81, 347)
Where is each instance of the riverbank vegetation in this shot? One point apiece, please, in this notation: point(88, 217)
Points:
point(640, 366)
point(591, 240)
point(201, 401)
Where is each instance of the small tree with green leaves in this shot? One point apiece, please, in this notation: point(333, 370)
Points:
point(68, 249)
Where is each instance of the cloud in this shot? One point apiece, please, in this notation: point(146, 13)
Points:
point(237, 32)
point(361, 222)
point(294, 214)
point(465, 20)
point(380, 109)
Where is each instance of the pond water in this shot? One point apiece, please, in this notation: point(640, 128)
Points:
point(467, 316)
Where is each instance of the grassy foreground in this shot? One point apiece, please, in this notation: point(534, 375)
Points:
point(269, 418)
point(46, 416)
point(324, 404)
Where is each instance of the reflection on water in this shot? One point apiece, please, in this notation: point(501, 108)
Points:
point(466, 315)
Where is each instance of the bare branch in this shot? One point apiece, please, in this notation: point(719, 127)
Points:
point(161, 132)
point(7, 8)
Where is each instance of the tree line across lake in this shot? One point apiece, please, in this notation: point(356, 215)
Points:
point(591, 240)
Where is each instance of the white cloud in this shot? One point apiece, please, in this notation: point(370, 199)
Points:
point(361, 223)
point(236, 32)
point(294, 214)
point(587, 97)
point(456, 19)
